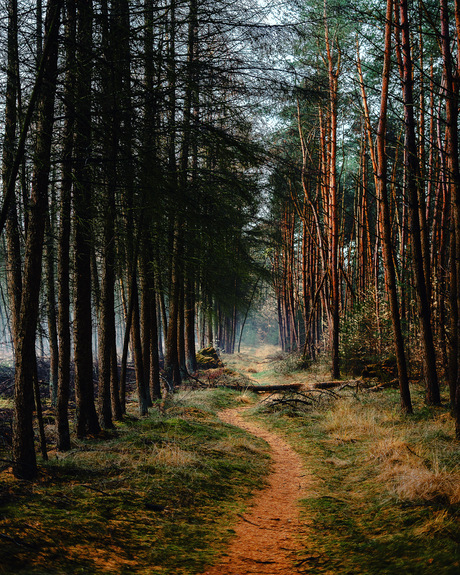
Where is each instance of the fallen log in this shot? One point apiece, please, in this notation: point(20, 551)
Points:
point(327, 384)
point(337, 383)
point(264, 388)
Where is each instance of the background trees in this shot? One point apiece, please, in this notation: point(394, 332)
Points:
point(161, 141)
point(392, 170)
point(149, 205)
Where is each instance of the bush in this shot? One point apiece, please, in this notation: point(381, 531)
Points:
point(292, 362)
point(366, 342)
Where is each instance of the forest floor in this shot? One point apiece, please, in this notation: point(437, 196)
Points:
point(381, 490)
point(228, 482)
point(267, 534)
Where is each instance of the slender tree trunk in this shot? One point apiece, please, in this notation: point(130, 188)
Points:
point(24, 459)
point(172, 358)
point(13, 251)
point(189, 316)
point(390, 275)
point(453, 178)
point(145, 320)
point(63, 274)
point(137, 347)
point(51, 312)
point(334, 220)
point(87, 420)
point(413, 178)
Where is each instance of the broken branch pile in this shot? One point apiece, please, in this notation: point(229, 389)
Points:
point(293, 402)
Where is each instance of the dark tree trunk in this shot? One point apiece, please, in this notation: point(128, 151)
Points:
point(172, 355)
point(87, 420)
point(189, 317)
point(137, 348)
point(51, 312)
point(390, 274)
point(64, 337)
point(24, 460)
point(453, 181)
point(145, 320)
point(13, 252)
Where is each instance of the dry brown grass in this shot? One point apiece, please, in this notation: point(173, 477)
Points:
point(245, 397)
point(413, 478)
point(173, 456)
point(337, 462)
point(349, 420)
point(404, 453)
point(416, 483)
point(391, 451)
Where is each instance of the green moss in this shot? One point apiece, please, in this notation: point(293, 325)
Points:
point(156, 497)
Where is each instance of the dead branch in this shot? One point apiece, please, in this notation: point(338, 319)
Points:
point(324, 391)
point(383, 385)
point(337, 383)
point(290, 401)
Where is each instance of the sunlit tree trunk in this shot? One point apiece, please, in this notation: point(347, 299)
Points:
point(333, 75)
point(413, 184)
point(381, 181)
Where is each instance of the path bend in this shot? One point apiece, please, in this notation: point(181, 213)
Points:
point(265, 541)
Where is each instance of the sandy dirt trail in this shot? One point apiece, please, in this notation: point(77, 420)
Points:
point(265, 541)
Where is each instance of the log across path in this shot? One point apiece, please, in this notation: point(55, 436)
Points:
point(266, 536)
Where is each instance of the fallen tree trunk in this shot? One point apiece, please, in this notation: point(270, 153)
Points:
point(265, 388)
point(328, 384)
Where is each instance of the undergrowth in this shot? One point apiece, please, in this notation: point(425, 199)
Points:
point(384, 496)
point(160, 494)
point(157, 495)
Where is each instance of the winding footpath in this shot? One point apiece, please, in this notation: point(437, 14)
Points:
point(265, 541)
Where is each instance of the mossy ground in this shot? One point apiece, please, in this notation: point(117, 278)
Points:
point(156, 495)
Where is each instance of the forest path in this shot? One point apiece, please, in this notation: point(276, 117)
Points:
point(265, 541)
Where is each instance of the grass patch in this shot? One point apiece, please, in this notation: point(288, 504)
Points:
point(385, 492)
point(158, 495)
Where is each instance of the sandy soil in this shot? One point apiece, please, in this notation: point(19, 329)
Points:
point(265, 541)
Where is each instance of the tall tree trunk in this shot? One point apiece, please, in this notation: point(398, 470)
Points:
point(413, 179)
point(63, 274)
point(334, 218)
point(453, 179)
point(390, 274)
point(87, 420)
point(106, 325)
point(24, 460)
point(13, 252)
